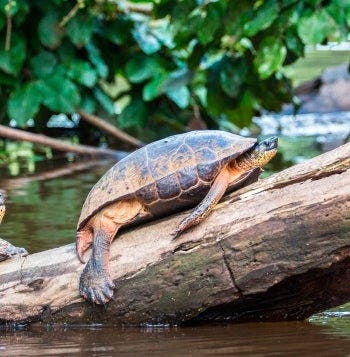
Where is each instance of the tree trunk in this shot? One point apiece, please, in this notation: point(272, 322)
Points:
point(276, 250)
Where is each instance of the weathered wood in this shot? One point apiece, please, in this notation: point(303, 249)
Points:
point(277, 250)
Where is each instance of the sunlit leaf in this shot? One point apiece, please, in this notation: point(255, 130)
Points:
point(270, 56)
point(181, 96)
point(24, 103)
point(142, 67)
point(262, 18)
point(314, 27)
point(155, 87)
point(147, 41)
point(97, 60)
point(82, 72)
point(104, 100)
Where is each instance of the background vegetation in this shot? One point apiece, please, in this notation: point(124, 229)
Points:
point(154, 68)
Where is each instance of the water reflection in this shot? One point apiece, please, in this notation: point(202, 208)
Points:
point(261, 339)
point(42, 213)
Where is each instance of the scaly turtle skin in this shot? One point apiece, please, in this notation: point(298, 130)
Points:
point(181, 171)
point(7, 250)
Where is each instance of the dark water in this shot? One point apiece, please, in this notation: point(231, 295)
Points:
point(260, 339)
point(42, 211)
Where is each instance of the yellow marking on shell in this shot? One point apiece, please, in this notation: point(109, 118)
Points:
point(122, 212)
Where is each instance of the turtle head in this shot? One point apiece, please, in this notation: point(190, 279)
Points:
point(2, 206)
point(264, 151)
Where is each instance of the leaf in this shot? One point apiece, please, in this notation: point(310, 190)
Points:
point(155, 87)
point(294, 43)
point(43, 64)
point(162, 30)
point(243, 113)
point(314, 27)
point(181, 96)
point(232, 76)
point(50, 33)
point(209, 25)
point(147, 41)
point(59, 93)
point(134, 114)
point(105, 101)
point(11, 61)
point(270, 56)
point(82, 72)
point(24, 103)
point(88, 104)
point(142, 67)
point(166, 82)
point(117, 31)
point(262, 18)
point(96, 59)
point(80, 29)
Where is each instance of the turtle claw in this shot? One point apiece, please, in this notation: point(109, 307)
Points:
point(96, 286)
point(180, 229)
point(176, 234)
point(12, 251)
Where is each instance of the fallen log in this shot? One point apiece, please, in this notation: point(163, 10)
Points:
point(276, 250)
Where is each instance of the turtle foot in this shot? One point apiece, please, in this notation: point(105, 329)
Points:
point(13, 251)
point(96, 285)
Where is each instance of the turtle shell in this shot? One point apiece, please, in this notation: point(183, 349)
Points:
point(168, 173)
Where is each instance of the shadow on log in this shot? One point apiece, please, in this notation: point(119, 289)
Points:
point(276, 250)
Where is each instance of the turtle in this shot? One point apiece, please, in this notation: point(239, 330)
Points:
point(161, 178)
point(7, 250)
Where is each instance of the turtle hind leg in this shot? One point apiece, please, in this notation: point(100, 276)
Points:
point(84, 241)
point(205, 207)
point(96, 284)
point(7, 250)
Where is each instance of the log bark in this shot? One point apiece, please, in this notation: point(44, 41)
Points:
point(59, 145)
point(276, 250)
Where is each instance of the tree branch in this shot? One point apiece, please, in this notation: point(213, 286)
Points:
point(17, 134)
point(110, 129)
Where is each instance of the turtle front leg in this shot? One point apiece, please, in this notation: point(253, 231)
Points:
point(214, 195)
point(96, 283)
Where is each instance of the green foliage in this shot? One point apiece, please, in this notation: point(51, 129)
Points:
point(223, 57)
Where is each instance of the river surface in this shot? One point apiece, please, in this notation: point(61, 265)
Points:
point(44, 200)
point(259, 339)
